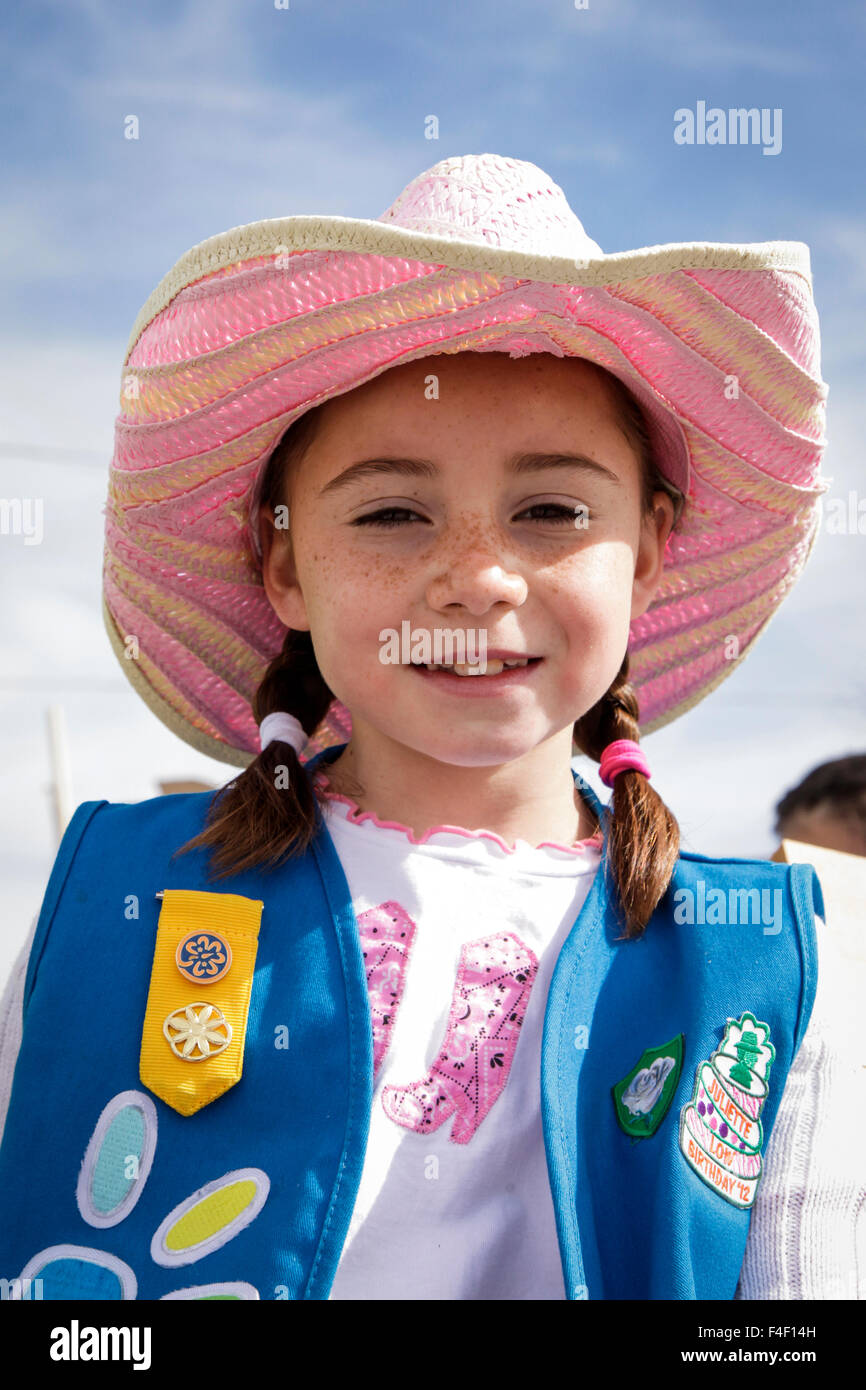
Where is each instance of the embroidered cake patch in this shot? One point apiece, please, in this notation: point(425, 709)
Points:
point(720, 1128)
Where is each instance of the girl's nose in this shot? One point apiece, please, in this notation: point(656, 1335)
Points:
point(476, 580)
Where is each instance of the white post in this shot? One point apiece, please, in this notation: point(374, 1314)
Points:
point(61, 774)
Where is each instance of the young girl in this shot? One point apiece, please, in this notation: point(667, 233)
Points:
point(403, 1011)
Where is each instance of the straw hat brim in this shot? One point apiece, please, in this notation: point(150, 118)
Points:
point(371, 237)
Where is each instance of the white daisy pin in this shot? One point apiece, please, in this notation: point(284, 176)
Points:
point(194, 1036)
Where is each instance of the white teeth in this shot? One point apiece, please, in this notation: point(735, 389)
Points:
point(493, 667)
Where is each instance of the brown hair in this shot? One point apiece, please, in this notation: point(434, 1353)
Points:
point(262, 818)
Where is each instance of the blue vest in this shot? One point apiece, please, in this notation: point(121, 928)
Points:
point(635, 1218)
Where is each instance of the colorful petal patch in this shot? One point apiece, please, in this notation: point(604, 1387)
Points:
point(210, 1217)
point(78, 1272)
point(720, 1130)
point(120, 1152)
point(118, 1159)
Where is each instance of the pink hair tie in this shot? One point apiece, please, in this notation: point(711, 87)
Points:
point(623, 755)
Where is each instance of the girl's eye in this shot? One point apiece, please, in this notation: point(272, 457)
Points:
point(379, 517)
point(555, 510)
point(559, 512)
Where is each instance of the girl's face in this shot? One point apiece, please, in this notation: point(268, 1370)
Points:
point(508, 501)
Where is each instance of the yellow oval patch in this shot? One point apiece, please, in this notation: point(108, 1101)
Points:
point(210, 1215)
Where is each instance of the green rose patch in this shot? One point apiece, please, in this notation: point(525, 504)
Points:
point(643, 1098)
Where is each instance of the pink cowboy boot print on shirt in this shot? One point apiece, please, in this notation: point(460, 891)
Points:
point(491, 992)
point(386, 933)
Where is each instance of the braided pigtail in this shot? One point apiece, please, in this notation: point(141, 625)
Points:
point(268, 812)
point(643, 835)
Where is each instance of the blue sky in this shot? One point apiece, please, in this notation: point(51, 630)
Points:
point(246, 111)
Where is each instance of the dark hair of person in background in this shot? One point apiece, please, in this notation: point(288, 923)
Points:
point(828, 808)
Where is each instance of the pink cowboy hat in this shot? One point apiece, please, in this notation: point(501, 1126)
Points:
point(719, 343)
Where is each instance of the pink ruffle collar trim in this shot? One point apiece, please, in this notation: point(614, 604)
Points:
point(357, 817)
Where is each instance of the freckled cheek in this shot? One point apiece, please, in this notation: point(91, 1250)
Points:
point(350, 602)
point(594, 588)
point(589, 600)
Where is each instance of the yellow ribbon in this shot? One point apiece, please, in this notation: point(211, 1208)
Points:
point(188, 1084)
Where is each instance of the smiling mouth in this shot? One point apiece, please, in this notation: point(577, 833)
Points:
point(464, 669)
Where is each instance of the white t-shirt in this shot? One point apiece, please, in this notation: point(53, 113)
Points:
point(460, 936)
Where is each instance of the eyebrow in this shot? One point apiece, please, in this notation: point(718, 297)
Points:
point(517, 464)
